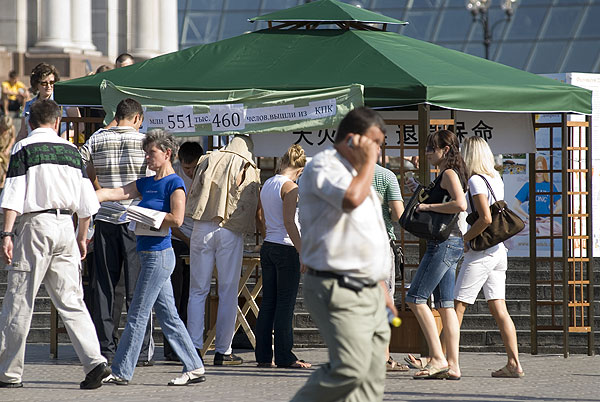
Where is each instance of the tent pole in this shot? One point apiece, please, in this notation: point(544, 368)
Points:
point(424, 175)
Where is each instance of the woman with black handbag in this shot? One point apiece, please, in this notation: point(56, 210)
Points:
point(486, 268)
point(436, 272)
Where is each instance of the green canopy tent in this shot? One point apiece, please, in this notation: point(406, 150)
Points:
point(395, 70)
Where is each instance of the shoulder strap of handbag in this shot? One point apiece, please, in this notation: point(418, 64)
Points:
point(489, 188)
point(487, 183)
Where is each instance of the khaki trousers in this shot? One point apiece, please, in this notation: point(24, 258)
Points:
point(355, 328)
point(45, 250)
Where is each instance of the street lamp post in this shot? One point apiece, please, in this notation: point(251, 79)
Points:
point(479, 10)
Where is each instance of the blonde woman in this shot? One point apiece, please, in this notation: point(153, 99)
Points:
point(7, 140)
point(280, 261)
point(487, 268)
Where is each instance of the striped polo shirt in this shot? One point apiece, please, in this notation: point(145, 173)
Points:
point(119, 159)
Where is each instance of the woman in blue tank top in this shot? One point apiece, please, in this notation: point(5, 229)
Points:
point(163, 192)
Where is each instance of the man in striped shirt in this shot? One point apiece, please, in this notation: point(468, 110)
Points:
point(116, 158)
point(45, 184)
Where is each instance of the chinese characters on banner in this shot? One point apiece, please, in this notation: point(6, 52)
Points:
point(505, 132)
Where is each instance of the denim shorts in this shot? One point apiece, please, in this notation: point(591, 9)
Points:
point(437, 273)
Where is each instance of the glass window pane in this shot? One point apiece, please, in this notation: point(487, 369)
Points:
point(273, 5)
point(199, 29)
point(391, 4)
point(547, 57)
point(235, 23)
point(514, 54)
point(526, 22)
point(420, 24)
point(582, 57)
point(204, 5)
point(454, 25)
point(242, 5)
point(563, 21)
point(591, 25)
point(430, 4)
point(475, 49)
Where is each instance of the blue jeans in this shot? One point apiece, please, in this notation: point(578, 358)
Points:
point(437, 273)
point(154, 288)
point(281, 275)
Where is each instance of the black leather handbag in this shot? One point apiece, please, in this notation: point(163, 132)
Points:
point(505, 223)
point(426, 224)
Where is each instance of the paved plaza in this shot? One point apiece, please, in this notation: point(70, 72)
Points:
point(548, 378)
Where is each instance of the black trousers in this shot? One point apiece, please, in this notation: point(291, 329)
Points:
point(115, 255)
point(180, 279)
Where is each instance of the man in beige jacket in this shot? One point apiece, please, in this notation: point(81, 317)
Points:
point(223, 201)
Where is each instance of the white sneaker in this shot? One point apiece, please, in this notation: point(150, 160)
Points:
point(190, 377)
point(113, 379)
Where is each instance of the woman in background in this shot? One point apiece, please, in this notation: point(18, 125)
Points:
point(42, 79)
point(486, 268)
point(280, 261)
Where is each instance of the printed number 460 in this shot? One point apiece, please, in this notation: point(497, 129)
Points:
point(226, 121)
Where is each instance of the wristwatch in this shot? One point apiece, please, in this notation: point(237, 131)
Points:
point(6, 234)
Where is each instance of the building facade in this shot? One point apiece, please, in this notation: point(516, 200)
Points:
point(79, 35)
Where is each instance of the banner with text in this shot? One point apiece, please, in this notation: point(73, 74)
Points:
point(248, 111)
point(504, 132)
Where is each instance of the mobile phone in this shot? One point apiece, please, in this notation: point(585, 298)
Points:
point(349, 142)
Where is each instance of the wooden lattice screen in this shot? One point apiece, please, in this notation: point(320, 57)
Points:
point(565, 289)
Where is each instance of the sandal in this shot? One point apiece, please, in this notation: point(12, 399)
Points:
point(416, 363)
point(393, 365)
point(265, 365)
point(432, 373)
point(298, 364)
point(505, 372)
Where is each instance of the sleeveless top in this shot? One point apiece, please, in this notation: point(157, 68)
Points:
point(439, 195)
point(272, 204)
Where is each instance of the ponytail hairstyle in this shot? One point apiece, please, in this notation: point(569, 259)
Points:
point(478, 157)
point(294, 158)
point(454, 161)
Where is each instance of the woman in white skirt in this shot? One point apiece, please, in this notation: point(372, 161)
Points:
point(487, 268)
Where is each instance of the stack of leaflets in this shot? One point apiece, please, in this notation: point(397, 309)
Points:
point(144, 221)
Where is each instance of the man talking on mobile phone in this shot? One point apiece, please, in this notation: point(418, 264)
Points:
point(345, 251)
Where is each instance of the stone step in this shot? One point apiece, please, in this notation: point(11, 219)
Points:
point(308, 337)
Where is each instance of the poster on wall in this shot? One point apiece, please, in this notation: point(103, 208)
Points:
point(515, 174)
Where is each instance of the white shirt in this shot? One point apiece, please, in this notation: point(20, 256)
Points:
point(272, 205)
point(353, 243)
point(477, 186)
point(46, 172)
